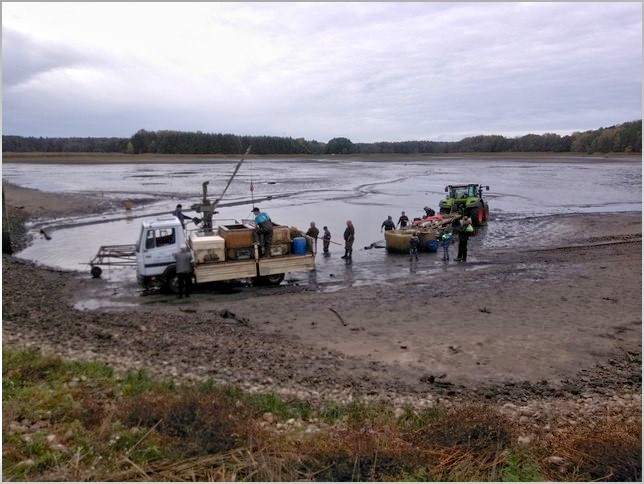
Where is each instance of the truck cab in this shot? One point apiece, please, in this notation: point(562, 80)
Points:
point(159, 240)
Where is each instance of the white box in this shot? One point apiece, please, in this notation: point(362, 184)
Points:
point(208, 248)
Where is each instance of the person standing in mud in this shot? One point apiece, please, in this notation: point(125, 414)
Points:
point(403, 221)
point(314, 232)
point(349, 237)
point(464, 232)
point(326, 240)
point(263, 232)
point(184, 265)
point(446, 240)
point(414, 243)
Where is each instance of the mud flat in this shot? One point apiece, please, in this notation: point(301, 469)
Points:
point(559, 324)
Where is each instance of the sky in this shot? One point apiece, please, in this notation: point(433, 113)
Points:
point(369, 72)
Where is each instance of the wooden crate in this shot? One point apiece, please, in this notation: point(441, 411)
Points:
point(242, 253)
point(280, 249)
point(237, 236)
point(281, 234)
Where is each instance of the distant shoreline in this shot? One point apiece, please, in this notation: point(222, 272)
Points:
point(148, 158)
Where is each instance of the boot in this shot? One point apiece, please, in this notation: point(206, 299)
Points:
point(350, 252)
point(346, 254)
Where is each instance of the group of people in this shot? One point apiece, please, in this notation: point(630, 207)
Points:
point(463, 227)
point(264, 236)
point(403, 220)
point(349, 237)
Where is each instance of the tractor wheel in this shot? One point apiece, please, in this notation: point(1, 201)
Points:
point(478, 216)
point(486, 214)
point(96, 272)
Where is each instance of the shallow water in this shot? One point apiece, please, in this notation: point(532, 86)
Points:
point(329, 193)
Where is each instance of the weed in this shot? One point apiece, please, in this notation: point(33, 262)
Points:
point(476, 427)
point(520, 466)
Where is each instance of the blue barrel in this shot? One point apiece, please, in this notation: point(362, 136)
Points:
point(299, 245)
point(432, 245)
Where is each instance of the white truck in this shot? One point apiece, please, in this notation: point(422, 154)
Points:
point(224, 253)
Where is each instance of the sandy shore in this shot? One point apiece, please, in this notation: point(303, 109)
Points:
point(561, 323)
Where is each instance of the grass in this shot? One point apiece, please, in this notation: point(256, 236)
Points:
point(82, 421)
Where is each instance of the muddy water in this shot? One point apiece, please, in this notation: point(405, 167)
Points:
point(296, 192)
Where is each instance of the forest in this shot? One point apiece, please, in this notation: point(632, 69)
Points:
point(622, 138)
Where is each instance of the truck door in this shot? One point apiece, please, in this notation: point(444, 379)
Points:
point(157, 247)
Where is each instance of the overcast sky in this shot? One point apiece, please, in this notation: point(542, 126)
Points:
point(365, 71)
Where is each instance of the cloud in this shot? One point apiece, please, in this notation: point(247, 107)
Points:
point(367, 71)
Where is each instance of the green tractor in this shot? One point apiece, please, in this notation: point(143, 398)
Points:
point(467, 200)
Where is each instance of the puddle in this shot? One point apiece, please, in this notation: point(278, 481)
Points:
point(94, 304)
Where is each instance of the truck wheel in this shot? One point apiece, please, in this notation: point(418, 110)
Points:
point(171, 282)
point(96, 272)
point(272, 280)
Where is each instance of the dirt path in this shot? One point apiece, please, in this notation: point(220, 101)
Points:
point(519, 324)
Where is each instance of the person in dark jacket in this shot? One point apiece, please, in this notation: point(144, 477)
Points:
point(349, 237)
point(464, 232)
point(388, 224)
point(326, 240)
point(314, 232)
point(179, 214)
point(184, 266)
point(414, 244)
point(403, 221)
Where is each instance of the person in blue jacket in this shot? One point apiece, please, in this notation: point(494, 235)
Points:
point(263, 232)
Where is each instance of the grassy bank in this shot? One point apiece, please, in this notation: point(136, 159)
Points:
point(78, 421)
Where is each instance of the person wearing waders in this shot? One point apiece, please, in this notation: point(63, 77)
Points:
point(326, 240)
point(184, 264)
point(349, 237)
point(414, 243)
point(314, 232)
point(263, 232)
point(464, 233)
point(446, 240)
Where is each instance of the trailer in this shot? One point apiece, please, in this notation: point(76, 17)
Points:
point(112, 255)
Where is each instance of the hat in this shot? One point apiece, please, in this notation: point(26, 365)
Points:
point(255, 209)
point(178, 205)
point(183, 246)
point(426, 208)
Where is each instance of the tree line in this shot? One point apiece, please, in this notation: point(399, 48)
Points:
point(623, 138)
